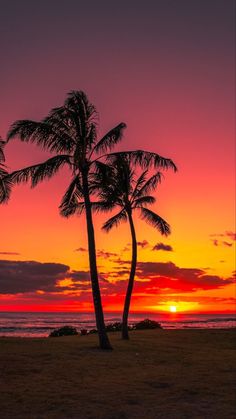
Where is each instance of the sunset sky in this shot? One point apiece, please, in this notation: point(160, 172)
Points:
point(167, 69)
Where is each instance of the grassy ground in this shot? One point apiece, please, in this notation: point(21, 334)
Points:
point(157, 374)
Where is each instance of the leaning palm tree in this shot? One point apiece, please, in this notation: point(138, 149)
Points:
point(70, 131)
point(129, 192)
point(5, 182)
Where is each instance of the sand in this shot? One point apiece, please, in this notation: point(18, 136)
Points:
point(157, 374)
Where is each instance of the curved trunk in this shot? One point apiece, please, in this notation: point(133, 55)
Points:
point(125, 333)
point(103, 338)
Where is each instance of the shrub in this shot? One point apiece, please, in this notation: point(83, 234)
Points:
point(147, 324)
point(92, 331)
point(63, 331)
point(113, 327)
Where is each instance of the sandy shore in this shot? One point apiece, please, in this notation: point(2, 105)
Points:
point(158, 374)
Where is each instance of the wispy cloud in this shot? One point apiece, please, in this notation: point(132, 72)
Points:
point(106, 255)
point(228, 235)
point(81, 249)
point(10, 253)
point(227, 244)
point(143, 244)
point(231, 235)
point(162, 246)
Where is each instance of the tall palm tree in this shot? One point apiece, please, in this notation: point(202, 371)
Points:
point(130, 193)
point(5, 182)
point(70, 131)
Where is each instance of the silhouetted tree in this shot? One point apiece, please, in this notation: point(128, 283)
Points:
point(5, 182)
point(129, 192)
point(70, 131)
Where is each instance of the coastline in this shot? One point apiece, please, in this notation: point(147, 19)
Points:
point(27, 324)
point(225, 329)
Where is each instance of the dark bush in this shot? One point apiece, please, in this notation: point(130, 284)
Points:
point(113, 327)
point(147, 324)
point(63, 331)
point(92, 331)
point(83, 332)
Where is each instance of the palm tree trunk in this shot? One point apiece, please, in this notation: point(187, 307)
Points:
point(103, 338)
point(125, 334)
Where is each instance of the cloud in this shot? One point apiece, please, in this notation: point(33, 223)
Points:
point(228, 235)
point(231, 235)
point(105, 255)
point(143, 244)
point(126, 248)
point(81, 249)
point(154, 278)
point(162, 246)
point(221, 243)
point(24, 277)
point(227, 244)
point(82, 276)
point(10, 253)
point(79, 275)
point(28, 276)
point(171, 277)
point(48, 280)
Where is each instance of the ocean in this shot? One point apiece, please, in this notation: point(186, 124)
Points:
point(25, 324)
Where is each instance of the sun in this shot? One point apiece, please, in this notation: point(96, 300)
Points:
point(173, 309)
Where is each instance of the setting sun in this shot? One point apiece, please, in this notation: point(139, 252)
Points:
point(173, 309)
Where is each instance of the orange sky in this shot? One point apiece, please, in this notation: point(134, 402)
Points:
point(169, 75)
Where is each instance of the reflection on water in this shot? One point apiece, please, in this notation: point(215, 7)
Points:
point(40, 324)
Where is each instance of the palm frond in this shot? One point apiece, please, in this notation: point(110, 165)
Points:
point(69, 203)
point(145, 159)
point(102, 172)
point(5, 185)
point(80, 208)
point(100, 178)
point(110, 139)
point(91, 136)
point(114, 221)
point(78, 101)
point(2, 156)
point(143, 200)
point(150, 185)
point(103, 206)
point(39, 172)
point(49, 168)
point(140, 181)
point(44, 134)
point(155, 221)
point(83, 114)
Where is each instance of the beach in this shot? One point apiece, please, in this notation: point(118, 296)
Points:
point(157, 374)
point(28, 324)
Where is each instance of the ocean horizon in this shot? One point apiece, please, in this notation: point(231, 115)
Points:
point(40, 324)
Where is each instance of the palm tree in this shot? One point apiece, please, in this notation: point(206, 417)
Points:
point(130, 193)
point(5, 182)
point(70, 131)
